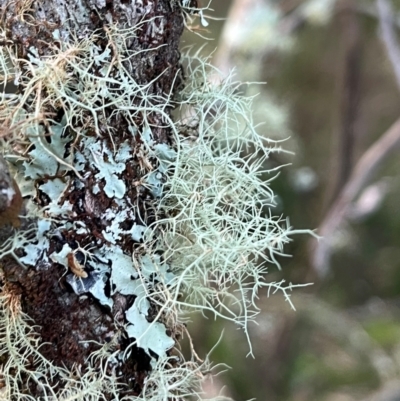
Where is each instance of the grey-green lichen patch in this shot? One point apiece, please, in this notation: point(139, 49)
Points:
point(165, 155)
point(146, 136)
point(128, 280)
point(149, 336)
point(125, 276)
point(45, 157)
point(155, 183)
point(153, 269)
point(137, 232)
point(54, 189)
point(25, 184)
point(123, 280)
point(96, 189)
point(94, 284)
point(108, 165)
point(61, 257)
point(37, 249)
point(113, 232)
point(98, 291)
point(42, 162)
point(142, 291)
point(122, 272)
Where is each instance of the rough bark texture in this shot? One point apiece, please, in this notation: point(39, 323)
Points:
point(65, 319)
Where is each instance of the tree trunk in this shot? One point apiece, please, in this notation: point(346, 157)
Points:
point(131, 218)
point(93, 78)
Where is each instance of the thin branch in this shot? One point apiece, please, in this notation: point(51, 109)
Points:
point(362, 173)
point(369, 162)
point(388, 35)
point(350, 93)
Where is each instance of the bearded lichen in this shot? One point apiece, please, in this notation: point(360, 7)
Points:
point(134, 218)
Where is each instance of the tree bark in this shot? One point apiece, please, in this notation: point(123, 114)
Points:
point(72, 324)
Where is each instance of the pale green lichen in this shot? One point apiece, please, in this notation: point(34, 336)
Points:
point(109, 165)
point(218, 238)
point(35, 249)
point(149, 336)
point(210, 250)
point(44, 158)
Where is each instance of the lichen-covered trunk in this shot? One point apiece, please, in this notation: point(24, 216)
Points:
point(88, 86)
point(132, 215)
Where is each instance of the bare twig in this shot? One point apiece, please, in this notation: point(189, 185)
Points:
point(350, 92)
point(369, 162)
point(363, 171)
point(388, 34)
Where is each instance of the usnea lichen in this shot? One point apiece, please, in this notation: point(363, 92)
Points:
point(202, 239)
point(219, 238)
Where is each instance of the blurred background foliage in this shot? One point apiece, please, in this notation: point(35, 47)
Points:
point(331, 92)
